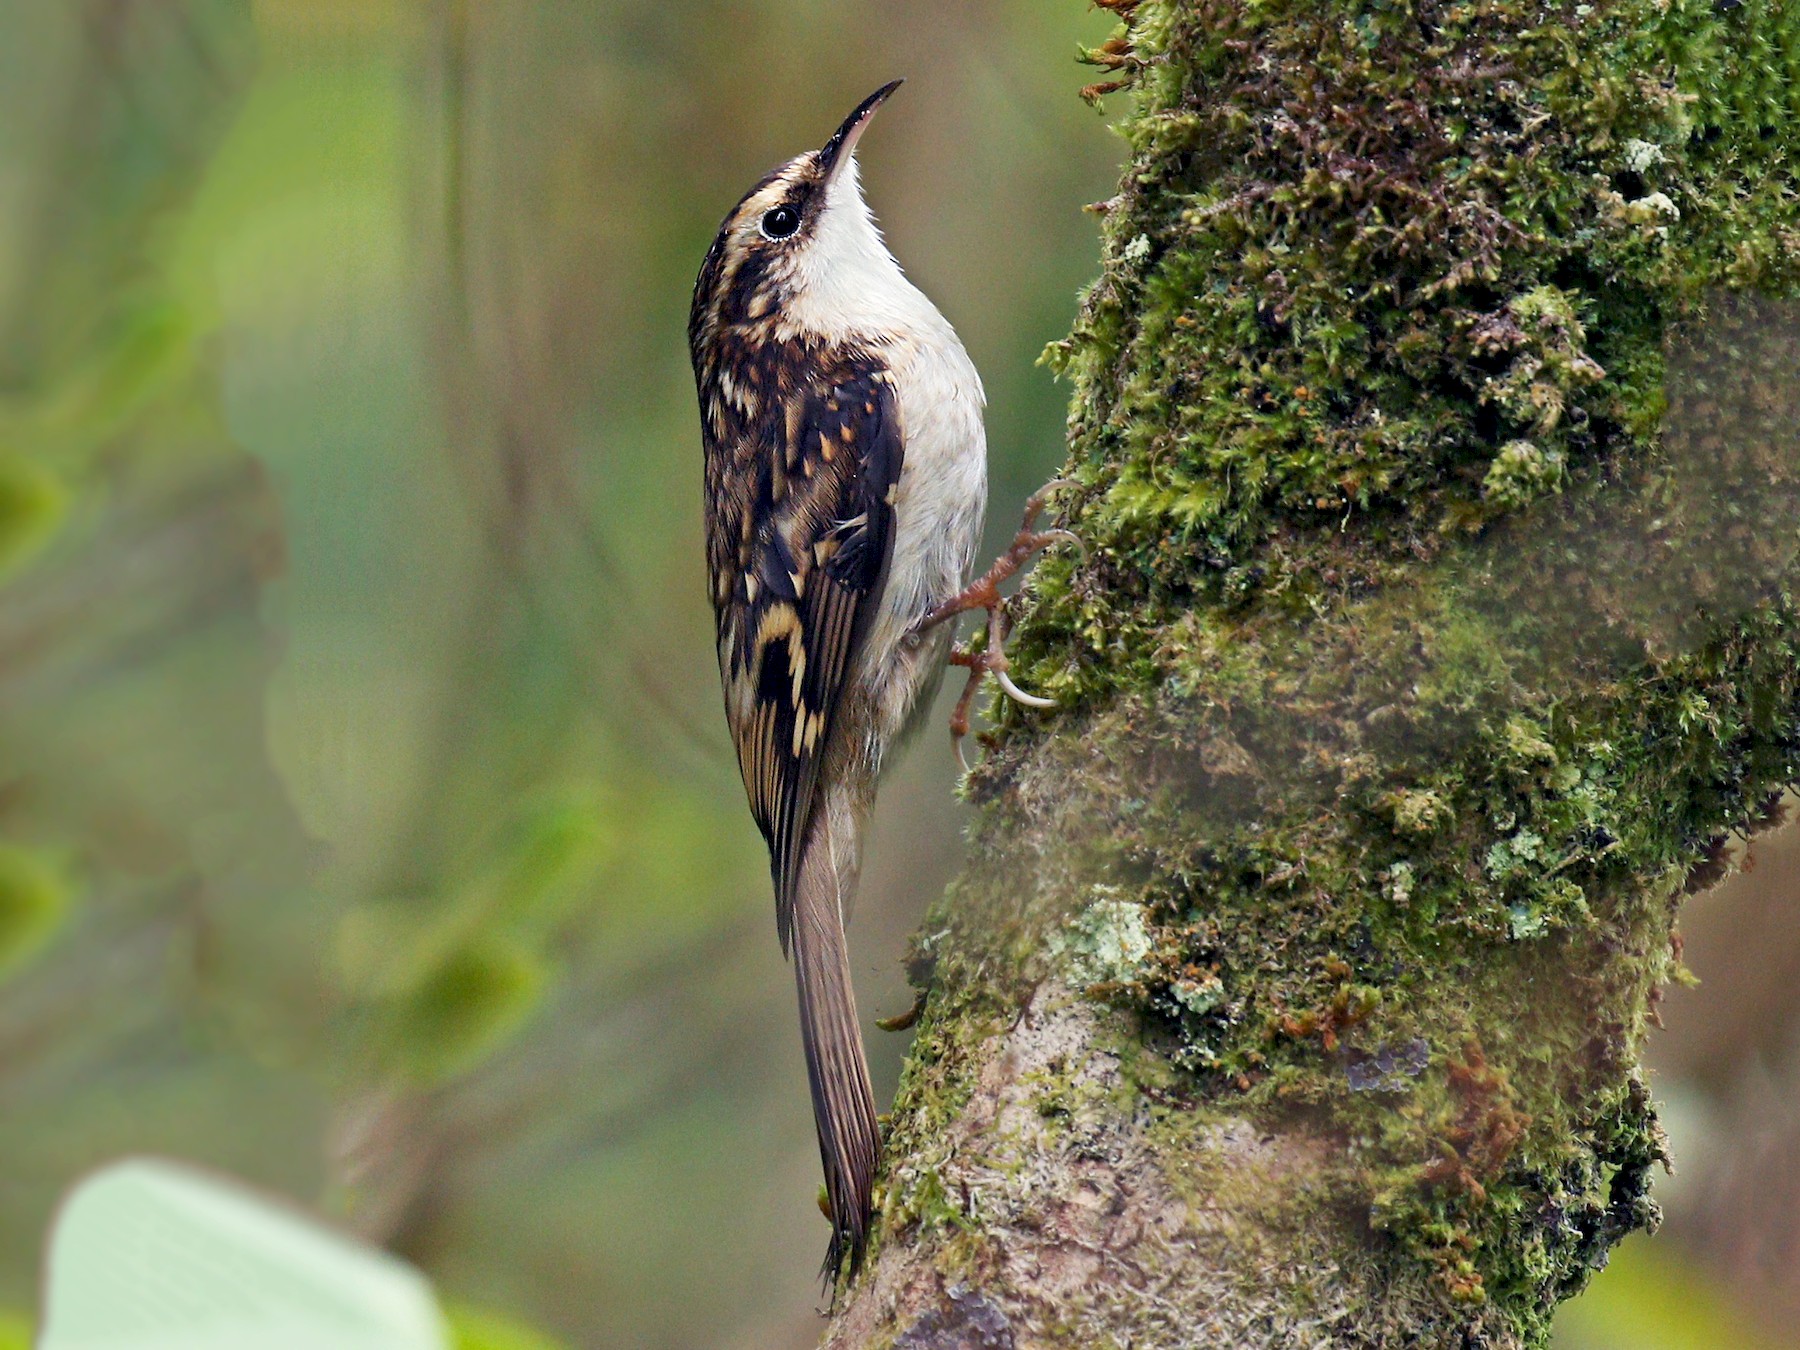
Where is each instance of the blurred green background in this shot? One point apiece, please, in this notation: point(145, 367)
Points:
point(368, 827)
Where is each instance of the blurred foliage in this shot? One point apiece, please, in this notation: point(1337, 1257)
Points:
point(1651, 1299)
point(34, 899)
point(473, 1330)
point(32, 505)
point(367, 826)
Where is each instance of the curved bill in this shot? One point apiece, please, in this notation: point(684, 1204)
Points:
point(843, 141)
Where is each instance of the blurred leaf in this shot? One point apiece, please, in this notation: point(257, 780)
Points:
point(151, 354)
point(537, 876)
point(566, 838)
point(467, 1007)
point(471, 1329)
point(15, 1331)
point(149, 1253)
point(34, 899)
point(33, 503)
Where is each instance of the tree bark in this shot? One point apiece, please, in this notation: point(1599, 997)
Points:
point(1433, 444)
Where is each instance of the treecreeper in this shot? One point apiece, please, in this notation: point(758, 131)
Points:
point(845, 486)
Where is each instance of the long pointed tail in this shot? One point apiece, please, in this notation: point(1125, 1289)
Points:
point(843, 1101)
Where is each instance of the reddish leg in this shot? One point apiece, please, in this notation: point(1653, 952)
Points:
point(984, 593)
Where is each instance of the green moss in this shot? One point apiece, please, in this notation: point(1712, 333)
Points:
point(1430, 413)
point(1367, 255)
point(935, 1086)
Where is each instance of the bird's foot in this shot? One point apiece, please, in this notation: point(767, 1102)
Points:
point(989, 660)
point(984, 593)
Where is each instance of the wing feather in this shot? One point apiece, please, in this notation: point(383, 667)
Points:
point(800, 524)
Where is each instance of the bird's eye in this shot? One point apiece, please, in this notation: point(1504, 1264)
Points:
point(781, 222)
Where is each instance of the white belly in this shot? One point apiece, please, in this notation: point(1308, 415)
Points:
point(938, 515)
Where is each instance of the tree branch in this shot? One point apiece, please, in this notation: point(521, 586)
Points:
point(1434, 441)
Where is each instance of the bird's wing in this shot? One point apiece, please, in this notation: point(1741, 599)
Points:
point(803, 462)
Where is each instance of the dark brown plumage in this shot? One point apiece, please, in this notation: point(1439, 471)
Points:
point(799, 530)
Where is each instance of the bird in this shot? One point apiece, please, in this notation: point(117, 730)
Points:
point(845, 486)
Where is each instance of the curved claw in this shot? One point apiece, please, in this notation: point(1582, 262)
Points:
point(1036, 501)
point(1018, 695)
point(1067, 537)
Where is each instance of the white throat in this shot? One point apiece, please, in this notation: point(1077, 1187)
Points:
point(848, 285)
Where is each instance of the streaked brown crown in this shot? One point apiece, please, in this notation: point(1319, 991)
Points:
point(747, 272)
point(750, 268)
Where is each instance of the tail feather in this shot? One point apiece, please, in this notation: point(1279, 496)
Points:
point(843, 1101)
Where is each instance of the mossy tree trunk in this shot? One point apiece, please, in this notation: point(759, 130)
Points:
point(1434, 446)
